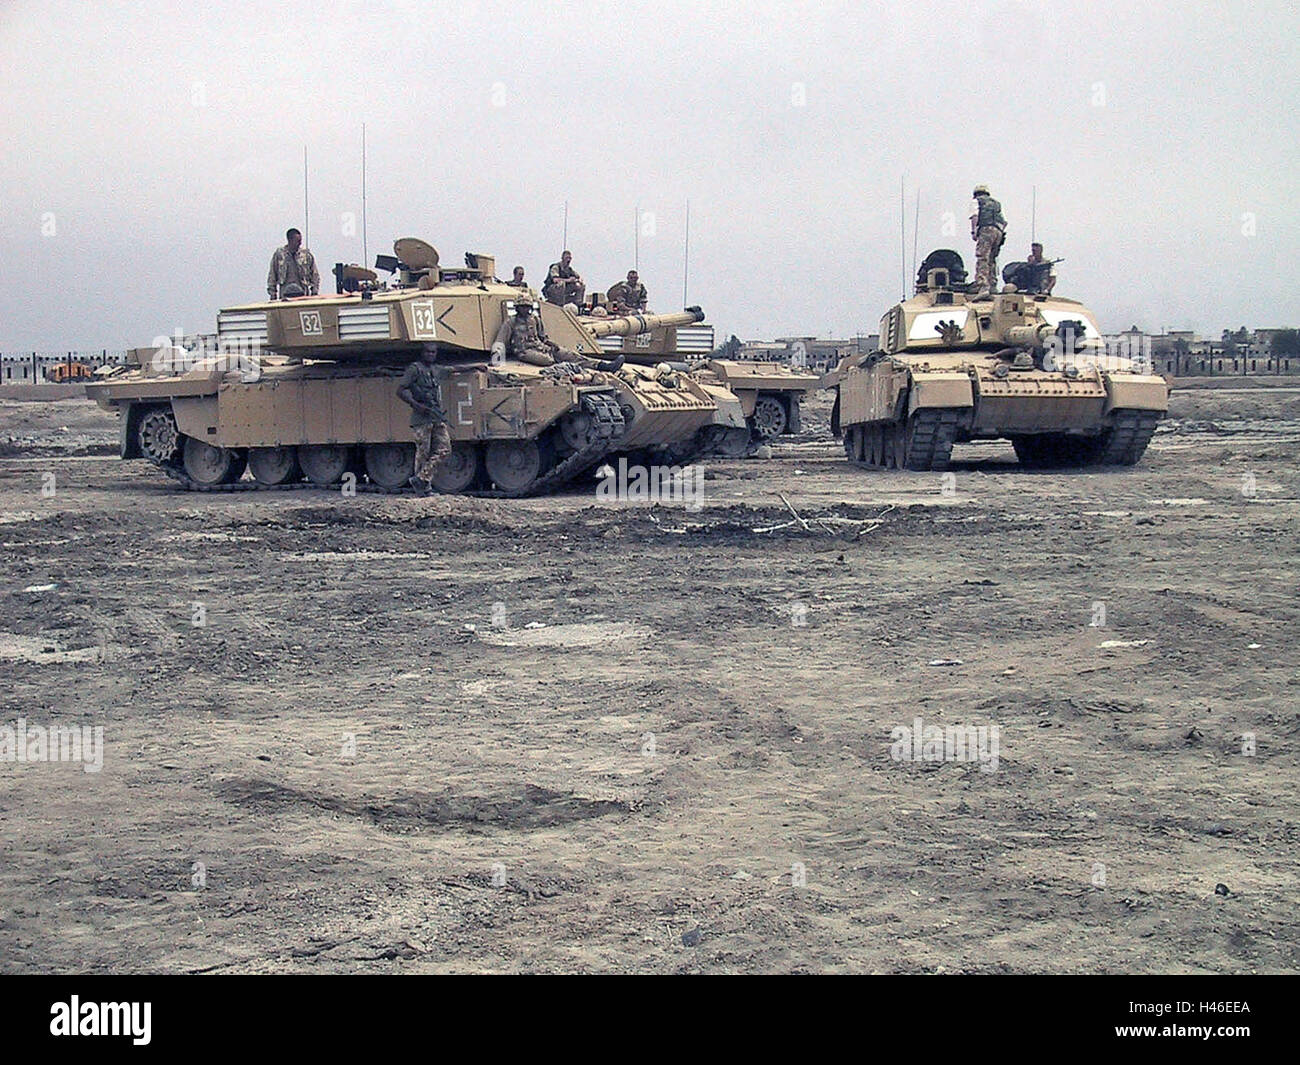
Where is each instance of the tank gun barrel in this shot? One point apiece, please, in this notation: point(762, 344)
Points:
point(1028, 336)
point(633, 324)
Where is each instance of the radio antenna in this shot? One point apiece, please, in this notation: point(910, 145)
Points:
point(306, 213)
point(916, 226)
point(365, 243)
point(686, 254)
point(902, 234)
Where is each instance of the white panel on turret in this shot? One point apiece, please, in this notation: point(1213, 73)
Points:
point(924, 325)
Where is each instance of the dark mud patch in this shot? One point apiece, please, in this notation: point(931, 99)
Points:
point(528, 807)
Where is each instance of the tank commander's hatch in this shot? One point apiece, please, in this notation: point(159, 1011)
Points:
point(947, 267)
point(414, 261)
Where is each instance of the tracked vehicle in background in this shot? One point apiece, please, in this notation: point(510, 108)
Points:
point(1021, 365)
point(303, 391)
point(769, 393)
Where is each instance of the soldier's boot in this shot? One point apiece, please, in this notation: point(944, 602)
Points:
point(421, 487)
point(610, 365)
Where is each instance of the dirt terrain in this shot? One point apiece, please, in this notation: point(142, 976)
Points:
point(457, 734)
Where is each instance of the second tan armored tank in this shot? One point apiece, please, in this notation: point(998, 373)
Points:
point(769, 393)
point(1021, 365)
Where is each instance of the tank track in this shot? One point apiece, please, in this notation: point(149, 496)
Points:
point(607, 423)
point(701, 445)
point(934, 431)
point(1129, 437)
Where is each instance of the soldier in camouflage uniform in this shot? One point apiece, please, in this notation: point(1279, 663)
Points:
point(632, 295)
point(523, 337)
point(517, 281)
point(988, 229)
point(563, 283)
point(420, 391)
point(293, 270)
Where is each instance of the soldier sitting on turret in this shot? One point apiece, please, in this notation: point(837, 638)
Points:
point(523, 337)
point(518, 280)
point(563, 283)
point(630, 296)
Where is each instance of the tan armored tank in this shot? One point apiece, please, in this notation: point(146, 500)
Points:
point(1022, 365)
point(769, 393)
point(306, 388)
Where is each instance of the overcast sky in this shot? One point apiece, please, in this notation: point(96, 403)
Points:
point(153, 153)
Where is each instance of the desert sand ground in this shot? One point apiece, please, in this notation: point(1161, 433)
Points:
point(472, 735)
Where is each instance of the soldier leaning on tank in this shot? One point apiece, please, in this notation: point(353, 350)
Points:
point(524, 338)
point(1049, 278)
point(419, 390)
point(293, 270)
point(988, 229)
point(518, 280)
point(563, 283)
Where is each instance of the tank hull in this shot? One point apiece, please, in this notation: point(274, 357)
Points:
point(309, 408)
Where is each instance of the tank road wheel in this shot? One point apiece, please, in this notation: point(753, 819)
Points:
point(578, 429)
point(390, 465)
point(324, 464)
point(769, 418)
point(458, 470)
point(513, 465)
point(157, 435)
point(209, 466)
point(273, 465)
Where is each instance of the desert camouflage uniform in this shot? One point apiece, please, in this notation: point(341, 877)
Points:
point(527, 343)
point(283, 267)
point(635, 297)
point(432, 438)
point(525, 339)
point(990, 231)
point(559, 289)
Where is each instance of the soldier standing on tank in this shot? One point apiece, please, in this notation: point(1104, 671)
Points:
point(420, 391)
point(563, 283)
point(988, 229)
point(293, 270)
point(523, 337)
point(634, 297)
point(518, 280)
